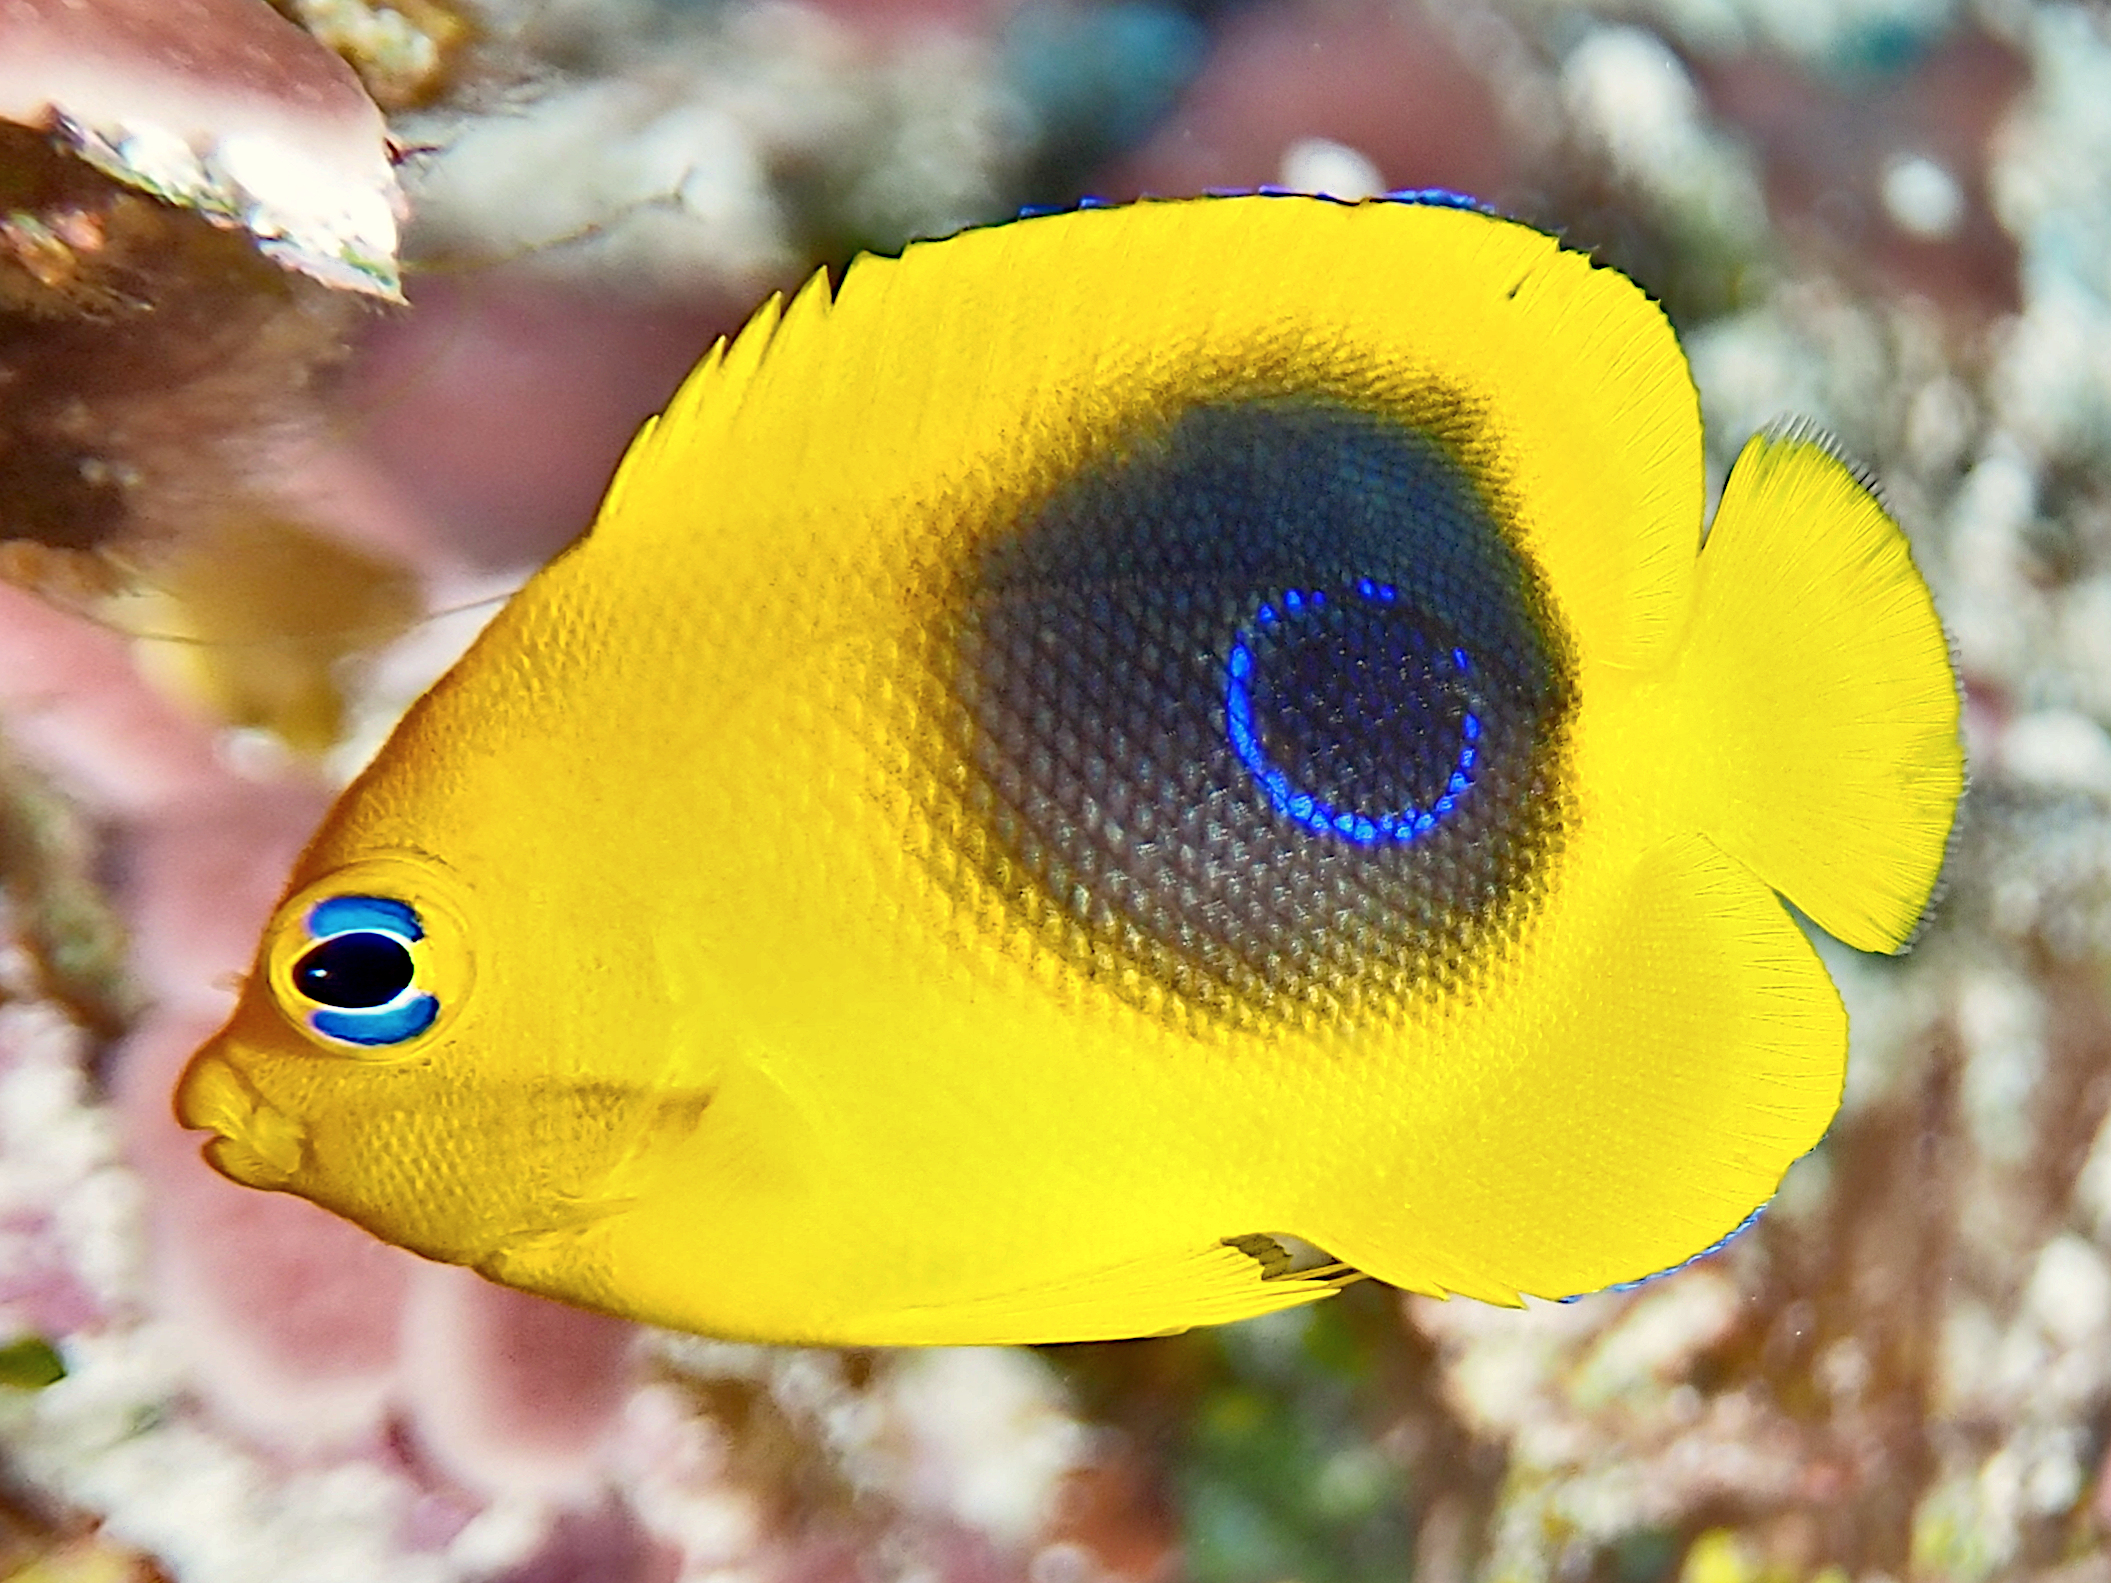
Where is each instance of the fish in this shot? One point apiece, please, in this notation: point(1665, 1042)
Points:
point(1115, 772)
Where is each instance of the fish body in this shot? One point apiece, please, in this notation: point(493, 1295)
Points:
point(1103, 744)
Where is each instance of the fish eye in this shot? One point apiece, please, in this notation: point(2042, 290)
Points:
point(355, 972)
point(359, 979)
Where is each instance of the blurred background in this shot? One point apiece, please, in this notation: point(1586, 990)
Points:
point(321, 327)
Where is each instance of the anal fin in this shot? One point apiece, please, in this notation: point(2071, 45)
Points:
point(1159, 1296)
point(1686, 1051)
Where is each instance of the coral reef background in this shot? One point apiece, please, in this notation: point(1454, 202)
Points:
point(249, 505)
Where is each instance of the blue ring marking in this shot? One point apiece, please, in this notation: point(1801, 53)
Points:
point(351, 914)
point(1409, 824)
point(1709, 1251)
point(402, 1018)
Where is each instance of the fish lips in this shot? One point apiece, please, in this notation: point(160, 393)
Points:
point(254, 1143)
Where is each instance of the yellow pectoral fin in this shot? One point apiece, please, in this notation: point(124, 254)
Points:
point(1690, 1050)
point(1144, 1297)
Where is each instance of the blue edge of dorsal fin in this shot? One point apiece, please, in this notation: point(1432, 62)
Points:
point(1709, 1251)
point(1429, 197)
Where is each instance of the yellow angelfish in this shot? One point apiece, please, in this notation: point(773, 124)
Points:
point(1103, 742)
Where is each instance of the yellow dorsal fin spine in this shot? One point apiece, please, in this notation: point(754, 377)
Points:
point(1819, 674)
point(708, 400)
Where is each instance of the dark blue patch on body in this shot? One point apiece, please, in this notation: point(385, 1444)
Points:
point(1268, 703)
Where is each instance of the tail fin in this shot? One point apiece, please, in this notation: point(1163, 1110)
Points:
point(1820, 673)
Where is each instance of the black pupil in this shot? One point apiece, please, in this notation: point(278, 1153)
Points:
point(355, 971)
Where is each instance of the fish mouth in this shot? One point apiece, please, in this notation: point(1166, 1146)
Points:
point(254, 1143)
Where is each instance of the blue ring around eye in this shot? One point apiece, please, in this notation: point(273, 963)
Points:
point(1399, 827)
point(412, 1010)
point(351, 914)
point(405, 1017)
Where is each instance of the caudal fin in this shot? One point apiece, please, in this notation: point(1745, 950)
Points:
point(1821, 679)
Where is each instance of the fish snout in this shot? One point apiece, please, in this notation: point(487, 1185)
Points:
point(254, 1143)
